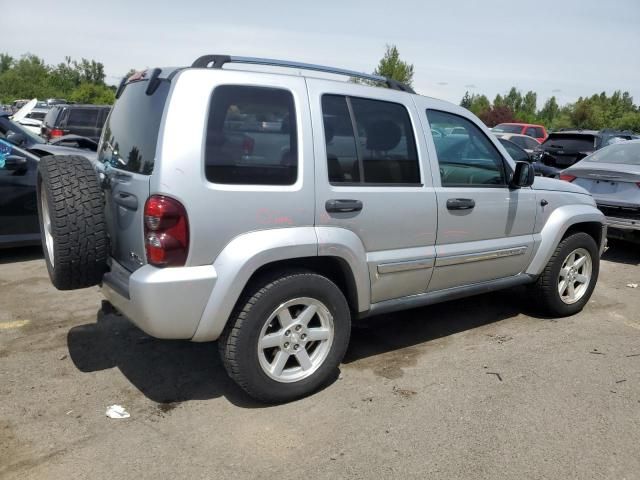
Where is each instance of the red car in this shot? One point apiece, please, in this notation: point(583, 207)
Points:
point(536, 131)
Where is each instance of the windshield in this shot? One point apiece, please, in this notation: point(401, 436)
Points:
point(507, 128)
point(9, 128)
point(625, 153)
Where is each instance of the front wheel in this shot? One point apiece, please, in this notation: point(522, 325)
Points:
point(568, 280)
point(286, 337)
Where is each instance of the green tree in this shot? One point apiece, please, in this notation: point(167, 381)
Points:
point(466, 100)
point(549, 112)
point(480, 105)
point(31, 77)
point(513, 100)
point(92, 93)
point(6, 62)
point(527, 112)
point(391, 66)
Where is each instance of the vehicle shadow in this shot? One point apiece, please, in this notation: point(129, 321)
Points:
point(394, 332)
point(20, 254)
point(622, 252)
point(172, 371)
point(165, 371)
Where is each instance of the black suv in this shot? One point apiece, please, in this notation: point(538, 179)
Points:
point(83, 120)
point(565, 147)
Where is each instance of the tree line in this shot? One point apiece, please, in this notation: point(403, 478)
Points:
point(595, 112)
point(30, 77)
point(83, 82)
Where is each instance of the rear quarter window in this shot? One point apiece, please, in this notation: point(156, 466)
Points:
point(83, 117)
point(251, 136)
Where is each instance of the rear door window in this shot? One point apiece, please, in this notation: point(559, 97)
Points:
point(374, 146)
point(251, 136)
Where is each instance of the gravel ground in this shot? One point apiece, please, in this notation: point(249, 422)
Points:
point(478, 388)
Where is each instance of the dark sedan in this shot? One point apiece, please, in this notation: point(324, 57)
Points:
point(20, 152)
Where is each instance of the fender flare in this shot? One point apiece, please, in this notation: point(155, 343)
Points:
point(560, 220)
point(245, 254)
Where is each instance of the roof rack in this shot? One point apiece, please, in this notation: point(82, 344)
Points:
point(217, 61)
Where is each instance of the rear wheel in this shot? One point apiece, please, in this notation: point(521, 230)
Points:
point(72, 222)
point(287, 337)
point(568, 280)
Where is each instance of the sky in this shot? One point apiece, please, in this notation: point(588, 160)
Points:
point(566, 48)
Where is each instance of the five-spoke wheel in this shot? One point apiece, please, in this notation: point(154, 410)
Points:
point(295, 339)
point(574, 276)
point(287, 336)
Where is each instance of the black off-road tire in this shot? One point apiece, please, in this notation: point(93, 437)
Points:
point(545, 293)
point(238, 345)
point(78, 227)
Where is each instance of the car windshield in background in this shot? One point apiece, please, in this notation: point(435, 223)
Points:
point(37, 115)
point(573, 142)
point(505, 128)
point(625, 153)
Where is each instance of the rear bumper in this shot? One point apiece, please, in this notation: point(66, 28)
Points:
point(163, 302)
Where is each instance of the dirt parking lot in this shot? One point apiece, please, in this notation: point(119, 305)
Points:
point(479, 388)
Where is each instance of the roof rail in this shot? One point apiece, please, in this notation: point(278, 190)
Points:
point(217, 61)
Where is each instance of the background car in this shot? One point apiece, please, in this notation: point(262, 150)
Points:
point(612, 176)
point(20, 151)
point(530, 129)
point(83, 120)
point(18, 203)
point(566, 147)
point(529, 144)
point(519, 154)
point(33, 120)
point(19, 136)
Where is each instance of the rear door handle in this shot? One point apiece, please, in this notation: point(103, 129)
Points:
point(460, 204)
point(339, 205)
point(126, 200)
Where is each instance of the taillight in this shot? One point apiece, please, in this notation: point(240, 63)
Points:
point(567, 178)
point(56, 132)
point(166, 232)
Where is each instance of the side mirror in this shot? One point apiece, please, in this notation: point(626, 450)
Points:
point(15, 163)
point(523, 175)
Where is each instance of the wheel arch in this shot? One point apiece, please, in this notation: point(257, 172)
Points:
point(252, 256)
point(565, 221)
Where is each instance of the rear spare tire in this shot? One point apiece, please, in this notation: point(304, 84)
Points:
point(72, 221)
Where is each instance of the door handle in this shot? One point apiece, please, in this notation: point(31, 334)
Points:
point(126, 200)
point(343, 205)
point(460, 204)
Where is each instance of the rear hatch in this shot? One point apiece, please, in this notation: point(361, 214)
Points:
point(126, 157)
point(564, 149)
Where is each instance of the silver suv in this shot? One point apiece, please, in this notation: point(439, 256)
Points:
point(269, 210)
